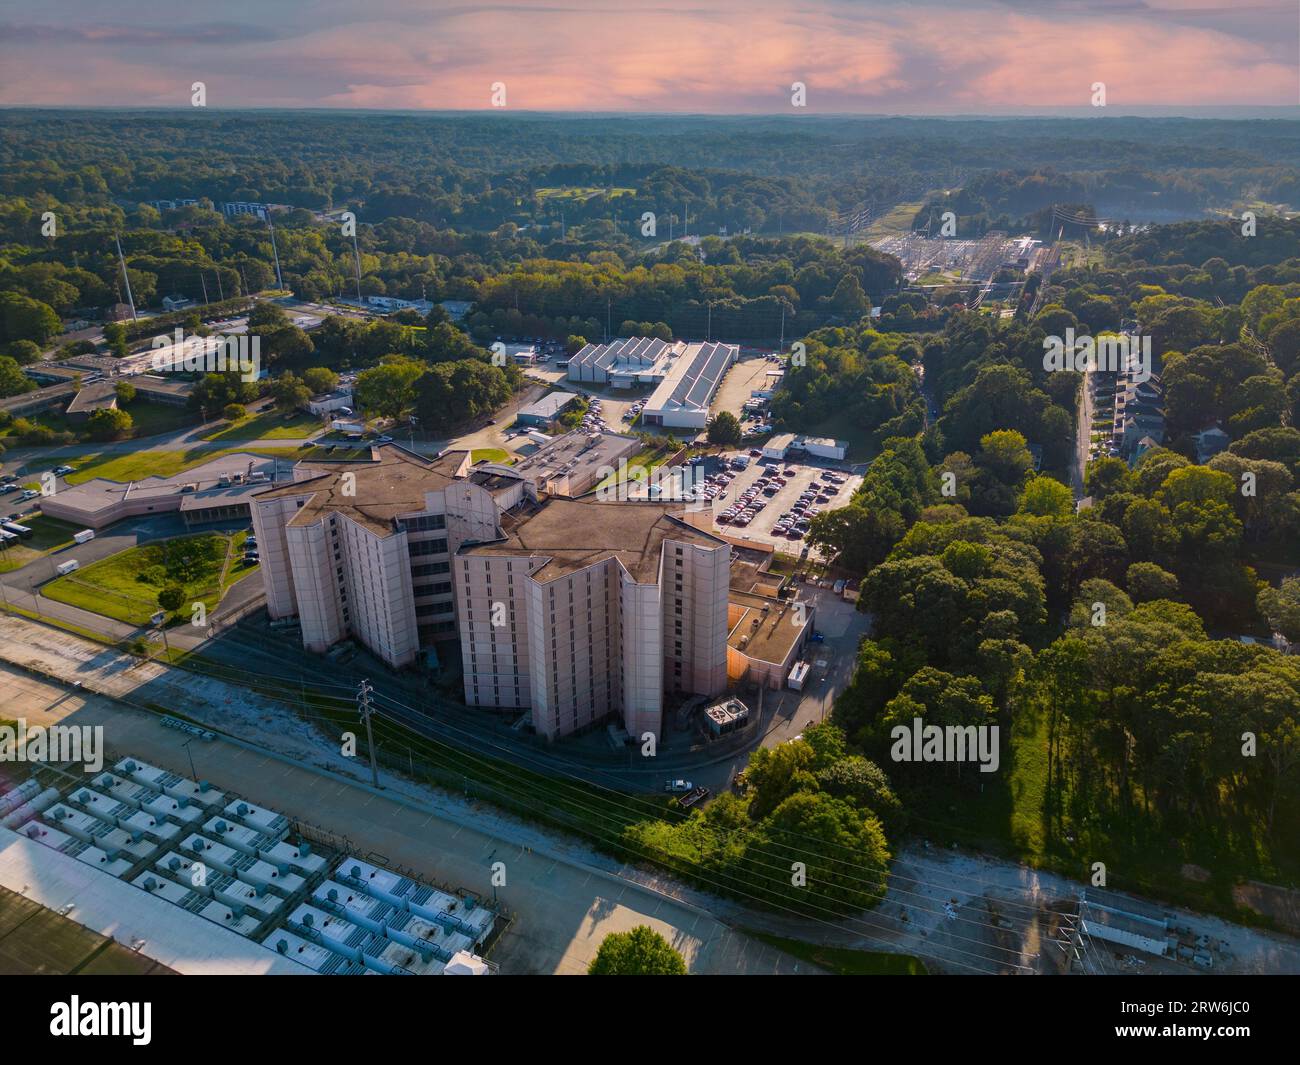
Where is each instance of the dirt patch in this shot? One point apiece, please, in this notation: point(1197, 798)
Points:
point(1281, 904)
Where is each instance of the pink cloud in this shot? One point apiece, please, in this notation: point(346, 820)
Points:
point(728, 56)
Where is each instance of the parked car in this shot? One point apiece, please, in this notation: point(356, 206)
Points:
point(677, 786)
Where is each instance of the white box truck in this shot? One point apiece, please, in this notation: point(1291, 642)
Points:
point(64, 568)
point(84, 535)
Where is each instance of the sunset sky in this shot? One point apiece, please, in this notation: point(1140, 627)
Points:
point(720, 56)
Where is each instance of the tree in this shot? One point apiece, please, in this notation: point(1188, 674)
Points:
point(289, 392)
point(1281, 607)
point(23, 318)
point(640, 952)
point(109, 423)
point(724, 429)
point(23, 352)
point(267, 317)
point(172, 597)
point(125, 393)
point(233, 412)
point(13, 381)
point(320, 379)
point(1147, 581)
point(388, 389)
point(1047, 497)
point(115, 338)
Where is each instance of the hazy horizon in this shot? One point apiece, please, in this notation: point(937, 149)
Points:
point(930, 58)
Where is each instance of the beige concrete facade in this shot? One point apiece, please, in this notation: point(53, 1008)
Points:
point(584, 611)
point(363, 550)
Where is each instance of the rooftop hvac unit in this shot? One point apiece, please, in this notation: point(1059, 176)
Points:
point(241, 809)
point(173, 864)
point(150, 884)
point(282, 946)
point(304, 849)
point(130, 767)
point(308, 919)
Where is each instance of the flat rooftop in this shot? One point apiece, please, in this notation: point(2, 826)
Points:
point(100, 493)
point(762, 628)
point(101, 395)
point(577, 455)
point(395, 484)
point(177, 938)
point(548, 406)
point(572, 534)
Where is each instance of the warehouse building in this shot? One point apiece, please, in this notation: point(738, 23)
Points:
point(546, 410)
point(681, 401)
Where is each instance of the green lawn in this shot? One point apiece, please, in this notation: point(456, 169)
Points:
point(646, 460)
point(841, 960)
point(490, 454)
point(125, 586)
point(140, 464)
point(270, 425)
point(151, 419)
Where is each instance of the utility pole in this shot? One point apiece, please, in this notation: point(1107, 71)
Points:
point(356, 255)
point(221, 292)
point(193, 772)
point(279, 280)
point(125, 276)
point(365, 710)
point(781, 345)
point(204, 283)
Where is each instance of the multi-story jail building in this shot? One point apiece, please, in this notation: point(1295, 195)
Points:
point(363, 550)
point(579, 610)
point(584, 610)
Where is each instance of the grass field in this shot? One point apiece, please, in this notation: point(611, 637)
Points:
point(125, 586)
point(581, 192)
point(48, 534)
point(896, 222)
point(842, 961)
point(490, 454)
point(646, 460)
point(270, 425)
point(140, 464)
point(152, 419)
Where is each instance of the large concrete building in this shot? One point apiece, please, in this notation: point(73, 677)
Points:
point(363, 550)
point(578, 610)
point(585, 610)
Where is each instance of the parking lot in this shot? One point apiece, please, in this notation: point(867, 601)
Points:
point(771, 502)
